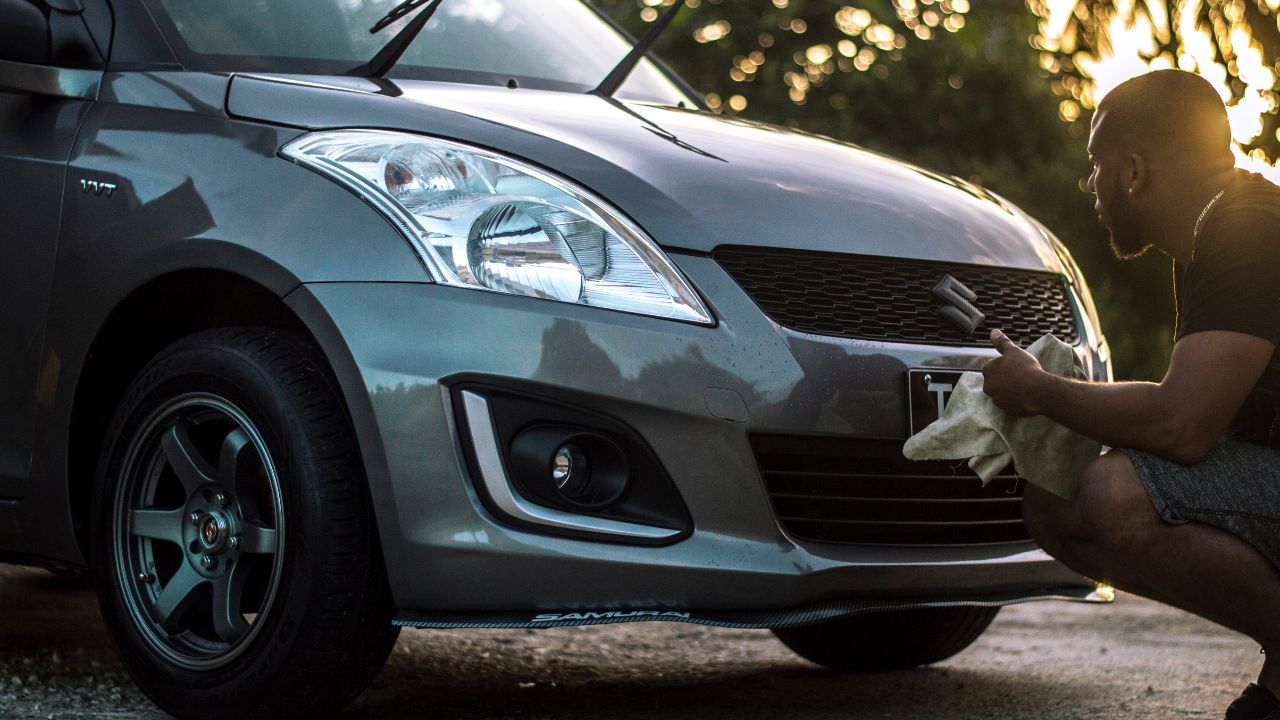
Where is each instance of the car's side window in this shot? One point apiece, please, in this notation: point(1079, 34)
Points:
point(49, 32)
point(24, 33)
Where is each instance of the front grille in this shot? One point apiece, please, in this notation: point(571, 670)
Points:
point(843, 490)
point(853, 296)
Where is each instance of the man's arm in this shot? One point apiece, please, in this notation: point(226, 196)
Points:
point(1180, 418)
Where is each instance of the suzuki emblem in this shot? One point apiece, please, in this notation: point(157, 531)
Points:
point(959, 308)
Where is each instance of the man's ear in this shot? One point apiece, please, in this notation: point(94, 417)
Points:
point(1136, 173)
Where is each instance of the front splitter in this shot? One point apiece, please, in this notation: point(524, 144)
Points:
point(743, 619)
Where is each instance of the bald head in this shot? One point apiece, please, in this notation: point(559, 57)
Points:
point(1160, 146)
point(1167, 115)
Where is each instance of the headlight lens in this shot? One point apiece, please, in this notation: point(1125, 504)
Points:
point(482, 220)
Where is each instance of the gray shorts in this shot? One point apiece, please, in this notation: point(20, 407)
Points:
point(1235, 487)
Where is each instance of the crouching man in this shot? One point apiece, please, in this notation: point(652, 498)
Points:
point(1186, 509)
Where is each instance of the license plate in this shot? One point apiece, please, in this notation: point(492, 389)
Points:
point(927, 394)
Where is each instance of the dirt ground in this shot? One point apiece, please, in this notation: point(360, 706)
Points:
point(1042, 661)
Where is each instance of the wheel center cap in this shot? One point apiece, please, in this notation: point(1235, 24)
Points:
point(213, 532)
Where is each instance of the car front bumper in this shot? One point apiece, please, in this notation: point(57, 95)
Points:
point(397, 349)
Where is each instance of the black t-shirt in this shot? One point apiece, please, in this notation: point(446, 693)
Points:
point(1233, 283)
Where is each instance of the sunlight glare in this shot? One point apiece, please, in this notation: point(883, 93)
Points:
point(1131, 36)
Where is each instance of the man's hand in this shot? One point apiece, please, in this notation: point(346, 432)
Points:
point(1180, 418)
point(1011, 380)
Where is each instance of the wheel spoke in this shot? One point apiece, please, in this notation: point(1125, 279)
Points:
point(187, 463)
point(257, 539)
point(157, 524)
point(233, 458)
point(228, 591)
point(176, 596)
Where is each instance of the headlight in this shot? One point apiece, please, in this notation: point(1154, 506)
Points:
point(482, 220)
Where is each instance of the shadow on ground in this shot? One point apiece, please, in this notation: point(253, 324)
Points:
point(1044, 661)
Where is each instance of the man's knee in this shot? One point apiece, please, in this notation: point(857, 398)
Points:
point(1046, 517)
point(1112, 509)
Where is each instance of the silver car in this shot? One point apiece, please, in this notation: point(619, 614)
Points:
point(326, 318)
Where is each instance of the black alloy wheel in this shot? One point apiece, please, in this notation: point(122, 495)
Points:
point(234, 549)
point(200, 555)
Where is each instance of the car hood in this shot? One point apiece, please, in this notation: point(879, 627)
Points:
point(693, 180)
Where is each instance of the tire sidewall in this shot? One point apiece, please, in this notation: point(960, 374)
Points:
point(241, 379)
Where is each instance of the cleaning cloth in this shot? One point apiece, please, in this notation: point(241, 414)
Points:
point(972, 427)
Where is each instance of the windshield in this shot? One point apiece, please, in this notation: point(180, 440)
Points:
point(548, 44)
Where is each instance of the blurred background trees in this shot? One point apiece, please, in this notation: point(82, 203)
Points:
point(997, 91)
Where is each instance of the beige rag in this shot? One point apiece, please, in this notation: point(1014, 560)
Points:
point(1044, 452)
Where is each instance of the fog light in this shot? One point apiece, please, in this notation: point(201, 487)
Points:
point(543, 466)
point(570, 467)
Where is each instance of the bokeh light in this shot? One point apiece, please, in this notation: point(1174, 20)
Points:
point(1085, 47)
point(867, 38)
point(1108, 43)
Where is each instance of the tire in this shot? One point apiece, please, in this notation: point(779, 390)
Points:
point(893, 640)
point(235, 552)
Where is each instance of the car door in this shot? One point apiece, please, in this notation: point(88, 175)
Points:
point(50, 69)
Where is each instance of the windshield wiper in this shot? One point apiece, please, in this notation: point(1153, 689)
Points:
point(390, 53)
point(660, 131)
point(619, 74)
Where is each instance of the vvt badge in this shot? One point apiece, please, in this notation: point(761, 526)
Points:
point(959, 308)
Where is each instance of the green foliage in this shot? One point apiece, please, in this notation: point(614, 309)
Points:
point(974, 103)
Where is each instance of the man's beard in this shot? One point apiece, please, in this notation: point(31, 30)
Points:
point(1127, 240)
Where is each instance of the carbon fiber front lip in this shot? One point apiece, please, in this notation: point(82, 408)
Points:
point(741, 619)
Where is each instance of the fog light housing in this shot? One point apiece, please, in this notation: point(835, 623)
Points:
point(545, 466)
point(569, 467)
